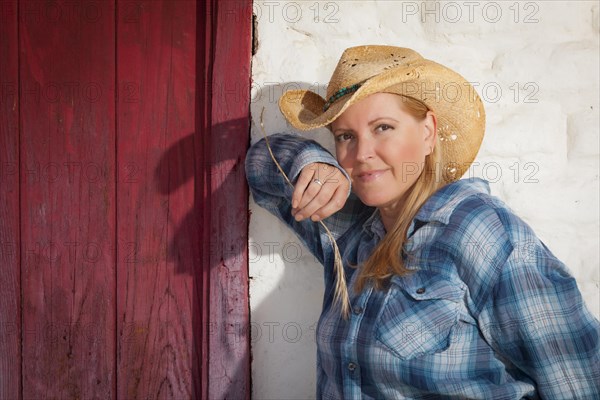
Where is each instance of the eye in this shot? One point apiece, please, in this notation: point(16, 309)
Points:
point(343, 137)
point(383, 127)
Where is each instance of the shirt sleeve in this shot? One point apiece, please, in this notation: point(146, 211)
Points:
point(536, 320)
point(271, 191)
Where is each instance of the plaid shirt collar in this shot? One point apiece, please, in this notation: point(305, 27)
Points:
point(437, 208)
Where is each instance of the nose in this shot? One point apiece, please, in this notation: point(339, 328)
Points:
point(365, 148)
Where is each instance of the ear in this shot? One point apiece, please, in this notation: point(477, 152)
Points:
point(429, 131)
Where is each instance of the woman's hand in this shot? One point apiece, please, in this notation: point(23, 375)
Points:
point(321, 190)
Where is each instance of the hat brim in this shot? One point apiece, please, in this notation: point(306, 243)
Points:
point(457, 106)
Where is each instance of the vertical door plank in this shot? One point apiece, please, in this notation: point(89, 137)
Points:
point(229, 343)
point(67, 149)
point(10, 295)
point(158, 233)
point(204, 49)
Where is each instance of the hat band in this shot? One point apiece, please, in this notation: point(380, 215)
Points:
point(342, 92)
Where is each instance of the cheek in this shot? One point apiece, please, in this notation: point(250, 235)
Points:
point(407, 152)
point(407, 161)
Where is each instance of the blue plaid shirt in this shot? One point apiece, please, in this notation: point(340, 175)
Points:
point(488, 313)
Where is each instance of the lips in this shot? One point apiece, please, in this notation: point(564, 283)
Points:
point(369, 176)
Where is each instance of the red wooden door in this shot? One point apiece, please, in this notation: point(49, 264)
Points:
point(123, 220)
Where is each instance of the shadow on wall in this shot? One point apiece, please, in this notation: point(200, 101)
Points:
point(286, 280)
point(180, 164)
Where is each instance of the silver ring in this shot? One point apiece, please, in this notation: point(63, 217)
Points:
point(318, 181)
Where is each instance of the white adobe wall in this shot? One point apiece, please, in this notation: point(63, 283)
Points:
point(536, 67)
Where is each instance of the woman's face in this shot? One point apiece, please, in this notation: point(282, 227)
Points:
point(382, 148)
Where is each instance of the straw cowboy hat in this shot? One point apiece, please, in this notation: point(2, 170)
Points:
point(365, 70)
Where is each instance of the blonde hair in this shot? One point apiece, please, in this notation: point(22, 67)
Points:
point(386, 259)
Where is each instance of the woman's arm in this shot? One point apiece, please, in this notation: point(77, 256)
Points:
point(271, 191)
point(536, 318)
point(527, 304)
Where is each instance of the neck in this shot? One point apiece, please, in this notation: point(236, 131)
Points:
point(389, 214)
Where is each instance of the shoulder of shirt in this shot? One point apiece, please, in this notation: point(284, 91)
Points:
point(469, 201)
point(443, 203)
point(482, 233)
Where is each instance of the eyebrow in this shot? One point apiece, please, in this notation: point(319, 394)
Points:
point(380, 118)
point(369, 123)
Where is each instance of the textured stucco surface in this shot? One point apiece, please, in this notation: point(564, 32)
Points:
point(535, 65)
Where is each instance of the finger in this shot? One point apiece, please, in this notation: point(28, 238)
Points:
point(334, 205)
point(312, 190)
point(305, 178)
point(323, 197)
point(329, 173)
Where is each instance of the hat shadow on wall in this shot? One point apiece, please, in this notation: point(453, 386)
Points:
point(286, 278)
point(182, 164)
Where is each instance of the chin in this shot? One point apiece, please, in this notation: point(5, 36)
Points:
point(372, 201)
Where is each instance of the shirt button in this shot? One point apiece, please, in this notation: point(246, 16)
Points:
point(351, 366)
point(358, 310)
point(421, 290)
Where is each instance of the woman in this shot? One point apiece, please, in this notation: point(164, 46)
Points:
point(441, 292)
